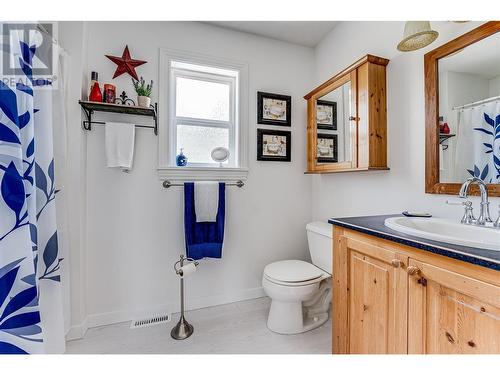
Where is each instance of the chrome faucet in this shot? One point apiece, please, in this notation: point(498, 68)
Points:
point(484, 214)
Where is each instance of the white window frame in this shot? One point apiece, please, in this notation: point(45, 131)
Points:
point(238, 119)
point(176, 120)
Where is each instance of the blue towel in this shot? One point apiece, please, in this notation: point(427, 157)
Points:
point(203, 239)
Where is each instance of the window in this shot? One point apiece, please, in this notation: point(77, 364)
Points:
point(204, 113)
point(204, 100)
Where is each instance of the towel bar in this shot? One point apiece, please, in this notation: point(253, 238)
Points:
point(166, 184)
point(87, 123)
point(90, 107)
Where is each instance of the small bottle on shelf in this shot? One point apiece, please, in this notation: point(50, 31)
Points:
point(95, 94)
point(94, 77)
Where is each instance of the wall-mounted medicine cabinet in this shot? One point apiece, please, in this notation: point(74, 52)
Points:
point(347, 120)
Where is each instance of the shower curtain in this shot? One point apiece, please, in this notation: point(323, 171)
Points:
point(31, 312)
point(478, 143)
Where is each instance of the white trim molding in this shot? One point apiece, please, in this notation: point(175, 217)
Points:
point(96, 320)
point(181, 174)
point(167, 170)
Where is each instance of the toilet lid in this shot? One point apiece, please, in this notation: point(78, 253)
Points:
point(292, 271)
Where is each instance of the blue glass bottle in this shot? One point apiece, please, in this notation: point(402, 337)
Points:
point(181, 159)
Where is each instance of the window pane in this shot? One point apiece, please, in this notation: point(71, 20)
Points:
point(202, 99)
point(199, 141)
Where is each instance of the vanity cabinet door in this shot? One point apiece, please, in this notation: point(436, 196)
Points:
point(450, 313)
point(377, 299)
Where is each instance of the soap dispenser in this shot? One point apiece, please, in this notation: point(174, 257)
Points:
point(181, 159)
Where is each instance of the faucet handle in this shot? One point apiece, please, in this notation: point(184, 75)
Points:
point(496, 224)
point(468, 217)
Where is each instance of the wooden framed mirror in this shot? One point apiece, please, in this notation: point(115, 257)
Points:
point(462, 90)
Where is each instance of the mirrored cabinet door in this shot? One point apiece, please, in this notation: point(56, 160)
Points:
point(346, 125)
point(334, 137)
point(332, 129)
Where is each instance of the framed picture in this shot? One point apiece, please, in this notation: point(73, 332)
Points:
point(327, 148)
point(274, 109)
point(274, 145)
point(326, 115)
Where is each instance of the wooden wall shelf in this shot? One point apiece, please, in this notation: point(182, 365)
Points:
point(90, 107)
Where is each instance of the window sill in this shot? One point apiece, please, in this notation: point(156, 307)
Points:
point(183, 174)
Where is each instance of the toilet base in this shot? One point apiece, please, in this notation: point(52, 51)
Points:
point(289, 318)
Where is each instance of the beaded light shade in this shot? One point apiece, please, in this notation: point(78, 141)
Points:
point(417, 34)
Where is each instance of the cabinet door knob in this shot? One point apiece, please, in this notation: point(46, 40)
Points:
point(353, 118)
point(396, 263)
point(412, 270)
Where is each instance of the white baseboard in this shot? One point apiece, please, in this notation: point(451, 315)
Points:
point(112, 317)
point(78, 331)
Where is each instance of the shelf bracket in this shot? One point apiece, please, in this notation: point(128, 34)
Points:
point(155, 118)
point(88, 113)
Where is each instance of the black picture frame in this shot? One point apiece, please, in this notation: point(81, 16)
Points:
point(335, 157)
point(263, 154)
point(261, 115)
point(333, 105)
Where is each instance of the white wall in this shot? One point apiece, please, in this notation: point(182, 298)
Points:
point(384, 192)
point(494, 86)
point(134, 227)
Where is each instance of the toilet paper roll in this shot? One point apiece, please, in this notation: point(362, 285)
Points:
point(187, 270)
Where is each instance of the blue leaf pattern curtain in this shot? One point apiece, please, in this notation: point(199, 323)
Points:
point(478, 143)
point(31, 319)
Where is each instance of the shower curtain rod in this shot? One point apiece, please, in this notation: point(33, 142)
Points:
point(492, 99)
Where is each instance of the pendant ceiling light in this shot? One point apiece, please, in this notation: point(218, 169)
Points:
point(418, 34)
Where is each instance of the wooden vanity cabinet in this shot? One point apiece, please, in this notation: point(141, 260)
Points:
point(393, 299)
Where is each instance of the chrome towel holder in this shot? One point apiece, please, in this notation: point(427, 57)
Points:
point(167, 184)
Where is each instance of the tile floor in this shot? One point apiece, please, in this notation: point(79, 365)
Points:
point(236, 328)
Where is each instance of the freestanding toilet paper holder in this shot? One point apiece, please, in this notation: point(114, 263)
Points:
point(182, 329)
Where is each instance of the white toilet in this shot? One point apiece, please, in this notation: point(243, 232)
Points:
point(300, 292)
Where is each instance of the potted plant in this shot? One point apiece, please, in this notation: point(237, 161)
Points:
point(143, 91)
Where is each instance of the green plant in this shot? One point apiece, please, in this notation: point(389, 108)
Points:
point(141, 88)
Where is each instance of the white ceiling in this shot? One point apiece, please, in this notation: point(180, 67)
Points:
point(305, 33)
point(481, 58)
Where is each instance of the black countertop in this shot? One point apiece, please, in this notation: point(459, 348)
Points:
point(374, 225)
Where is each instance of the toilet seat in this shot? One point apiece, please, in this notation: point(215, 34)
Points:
point(293, 273)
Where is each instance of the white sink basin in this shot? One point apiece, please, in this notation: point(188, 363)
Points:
point(447, 231)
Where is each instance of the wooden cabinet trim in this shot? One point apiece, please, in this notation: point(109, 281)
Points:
point(368, 58)
point(340, 314)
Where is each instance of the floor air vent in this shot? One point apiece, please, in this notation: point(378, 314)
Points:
point(150, 321)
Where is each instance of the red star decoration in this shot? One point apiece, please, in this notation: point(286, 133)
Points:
point(126, 64)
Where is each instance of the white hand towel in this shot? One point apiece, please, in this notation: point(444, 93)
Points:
point(206, 201)
point(119, 143)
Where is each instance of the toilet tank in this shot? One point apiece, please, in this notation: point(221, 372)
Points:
point(319, 239)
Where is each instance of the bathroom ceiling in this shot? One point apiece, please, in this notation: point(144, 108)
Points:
point(481, 58)
point(305, 33)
